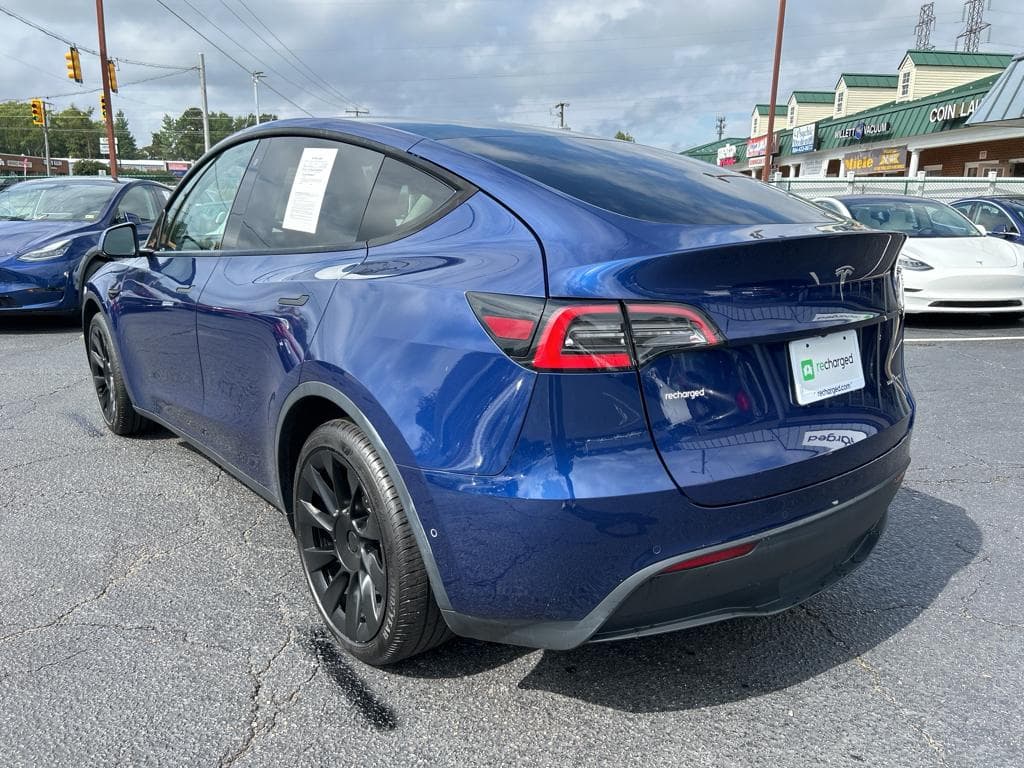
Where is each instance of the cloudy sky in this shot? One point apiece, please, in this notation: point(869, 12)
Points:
point(659, 69)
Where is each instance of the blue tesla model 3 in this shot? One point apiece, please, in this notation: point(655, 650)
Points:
point(515, 384)
point(49, 230)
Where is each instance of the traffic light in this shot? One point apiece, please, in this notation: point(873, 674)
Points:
point(103, 106)
point(38, 112)
point(74, 64)
point(112, 75)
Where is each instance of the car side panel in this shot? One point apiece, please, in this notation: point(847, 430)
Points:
point(404, 311)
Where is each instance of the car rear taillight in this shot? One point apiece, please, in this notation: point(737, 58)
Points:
point(563, 335)
point(660, 328)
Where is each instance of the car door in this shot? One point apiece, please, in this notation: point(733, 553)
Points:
point(154, 303)
point(285, 249)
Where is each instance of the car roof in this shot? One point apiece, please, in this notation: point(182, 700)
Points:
point(844, 199)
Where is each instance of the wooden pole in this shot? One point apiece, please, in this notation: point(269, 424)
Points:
point(766, 171)
point(111, 145)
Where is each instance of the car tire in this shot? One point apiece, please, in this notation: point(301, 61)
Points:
point(108, 380)
point(358, 552)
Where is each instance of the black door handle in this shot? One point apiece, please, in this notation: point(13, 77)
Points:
point(293, 301)
point(183, 288)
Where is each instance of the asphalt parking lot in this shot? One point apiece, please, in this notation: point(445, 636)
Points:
point(153, 612)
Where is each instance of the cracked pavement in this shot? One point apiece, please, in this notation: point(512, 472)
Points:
point(153, 612)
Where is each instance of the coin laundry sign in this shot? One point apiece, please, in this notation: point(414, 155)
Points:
point(727, 155)
point(860, 130)
point(953, 111)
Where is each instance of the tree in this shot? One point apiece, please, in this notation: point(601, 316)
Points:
point(88, 168)
point(181, 138)
point(126, 146)
point(17, 134)
point(624, 136)
point(73, 133)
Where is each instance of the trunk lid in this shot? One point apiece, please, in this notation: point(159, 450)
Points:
point(726, 419)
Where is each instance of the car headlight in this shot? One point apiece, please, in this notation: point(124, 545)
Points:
point(914, 265)
point(47, 252)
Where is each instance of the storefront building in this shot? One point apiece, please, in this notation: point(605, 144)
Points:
point(903, 136)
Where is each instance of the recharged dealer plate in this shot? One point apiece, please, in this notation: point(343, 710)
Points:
point(825, 366)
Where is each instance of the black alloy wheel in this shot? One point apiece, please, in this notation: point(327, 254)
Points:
point(102, 375)
point(108, 381)
point(340, 545)
point(358, 550)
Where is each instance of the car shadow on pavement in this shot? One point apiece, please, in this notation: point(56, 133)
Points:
point(927, 541)
point(23, 324)
point(964, 322)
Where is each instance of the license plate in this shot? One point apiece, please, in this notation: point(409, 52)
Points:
point(825, 366)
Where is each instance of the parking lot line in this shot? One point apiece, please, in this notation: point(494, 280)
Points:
point(963, 338)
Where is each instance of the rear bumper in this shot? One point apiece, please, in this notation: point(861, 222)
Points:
point(785, 568)
point(790, 563)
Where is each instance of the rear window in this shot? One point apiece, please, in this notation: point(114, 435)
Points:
point(641, 182)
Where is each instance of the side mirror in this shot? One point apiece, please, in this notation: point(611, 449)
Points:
point(120, 242)
point(981, 229)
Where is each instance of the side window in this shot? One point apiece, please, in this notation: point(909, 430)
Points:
point(993, 219)
point(200, 215)
point(402, 197)
point(307, 193)
point(160, 196)
point(138, 204)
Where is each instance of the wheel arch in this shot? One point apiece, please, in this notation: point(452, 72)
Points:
point(308, 406)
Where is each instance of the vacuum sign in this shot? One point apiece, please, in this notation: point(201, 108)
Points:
point(727, 155)
point(863, 130)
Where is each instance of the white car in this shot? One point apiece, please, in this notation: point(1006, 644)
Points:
point(949, 264)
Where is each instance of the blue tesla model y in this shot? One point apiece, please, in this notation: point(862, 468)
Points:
point(515, 384)
point(49, 229)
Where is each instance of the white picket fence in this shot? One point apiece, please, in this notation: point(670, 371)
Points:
point(944, 188)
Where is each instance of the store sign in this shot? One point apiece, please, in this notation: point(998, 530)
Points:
point(756, 147)
point(803, 138)
point(887, 160)
point(863, 130)
point(178, 168)
point(727, 155)
point(755, 162)
point(953, 111)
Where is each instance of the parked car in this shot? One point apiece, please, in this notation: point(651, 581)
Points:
point(49, 230)
point(520, 385)
point(8, 181)
point(1000, 216)
point(948, 263)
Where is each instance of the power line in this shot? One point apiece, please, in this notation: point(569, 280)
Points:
point(263, 40)
point(273, 34)
point(67, 41)
point(239, 64)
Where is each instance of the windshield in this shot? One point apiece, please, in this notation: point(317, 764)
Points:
point(924, 218)
point(55, 202)
point(1015, 206)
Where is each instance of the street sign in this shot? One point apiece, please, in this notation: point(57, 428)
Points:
point(105, 145)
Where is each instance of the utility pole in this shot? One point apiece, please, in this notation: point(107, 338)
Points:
point(357, 112)
point(974, 25)
point(925, 27)
point(256, 92)
point(720, 125)
point(46, 134)
point(202, 96)
point(105, 71)
point(560, 106)
point(768, 145)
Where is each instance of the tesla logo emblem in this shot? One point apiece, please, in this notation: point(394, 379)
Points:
point(843, 273)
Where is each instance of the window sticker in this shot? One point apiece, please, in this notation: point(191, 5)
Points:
point(302, 214)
